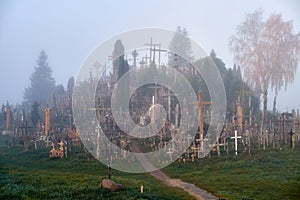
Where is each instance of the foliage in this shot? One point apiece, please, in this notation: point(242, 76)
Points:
point(42, 83)
point(267, 51)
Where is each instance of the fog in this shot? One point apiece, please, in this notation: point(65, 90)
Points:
point(69, 30)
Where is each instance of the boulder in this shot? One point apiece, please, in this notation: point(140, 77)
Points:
point(111, 185)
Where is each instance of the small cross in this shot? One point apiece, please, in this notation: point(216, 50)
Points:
point(236, 137)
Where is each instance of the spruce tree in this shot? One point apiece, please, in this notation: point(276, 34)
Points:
point(42, 84)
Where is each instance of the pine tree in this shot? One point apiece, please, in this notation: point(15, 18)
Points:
point(42, 84)
point(181, 49)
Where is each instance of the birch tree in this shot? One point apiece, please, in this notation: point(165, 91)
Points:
point(268, 53)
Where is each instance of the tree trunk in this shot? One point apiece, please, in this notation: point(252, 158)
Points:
point(262, 125)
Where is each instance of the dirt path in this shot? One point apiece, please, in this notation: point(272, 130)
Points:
point(188, 187)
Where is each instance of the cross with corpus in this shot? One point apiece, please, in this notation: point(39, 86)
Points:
point(98, 109)
point(201, 104)
point(236, 137)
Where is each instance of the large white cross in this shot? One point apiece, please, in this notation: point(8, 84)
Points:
point(236, 137)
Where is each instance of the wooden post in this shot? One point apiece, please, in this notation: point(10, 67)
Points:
point(47, 120)
point(201, 103)
point(177, 116)
point(240, 116)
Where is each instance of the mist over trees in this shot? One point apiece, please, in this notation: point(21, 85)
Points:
point(268, 52)
point(180, 46)
point(42, 84)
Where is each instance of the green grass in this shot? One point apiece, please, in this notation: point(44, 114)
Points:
point(270, 174)
point(33, 175)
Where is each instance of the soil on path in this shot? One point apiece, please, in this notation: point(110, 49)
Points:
point(188, 187)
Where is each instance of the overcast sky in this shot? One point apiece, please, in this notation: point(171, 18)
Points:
point(69, 30)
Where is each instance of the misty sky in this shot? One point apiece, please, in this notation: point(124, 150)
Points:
point(69, 30)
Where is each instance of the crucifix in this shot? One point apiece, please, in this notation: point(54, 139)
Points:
point(236, 137)
point(98, 109)
point(47, 120)
point(201, 104)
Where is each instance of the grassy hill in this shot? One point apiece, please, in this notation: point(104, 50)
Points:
point(33, 175)
point(270, 174)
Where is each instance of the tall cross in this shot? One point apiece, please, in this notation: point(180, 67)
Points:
point(236, 137)
point(98, 109)
point(47, 120)
point(241, 106)
point(151, 46)
point(159, 53)
point(201, 104)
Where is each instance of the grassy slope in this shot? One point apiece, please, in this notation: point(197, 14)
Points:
point(33, 175)
point(271, 174)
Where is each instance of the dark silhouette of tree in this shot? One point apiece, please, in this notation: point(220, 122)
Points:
point(70, 87)
point(35, 114)
point(121, 67)
point(42, 84)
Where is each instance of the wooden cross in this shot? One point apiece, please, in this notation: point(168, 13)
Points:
point(47, 120)
point(241, 105)
point(152, 46)
point(283, 121)
point(98, 110)
point(236, 137)
point(201, 104)
point(159, 53)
